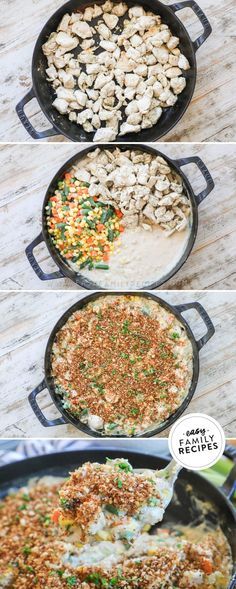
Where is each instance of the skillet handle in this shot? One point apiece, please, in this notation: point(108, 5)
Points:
point(36, 409)
point(25, 121)
point(33, 262)
point(205, 317)
point(202, 17)
point(205, 172)
point(229, 486)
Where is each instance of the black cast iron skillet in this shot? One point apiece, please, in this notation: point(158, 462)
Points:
point(44, 93)
point(183, 509)
point(48, 381)
point(65, 270)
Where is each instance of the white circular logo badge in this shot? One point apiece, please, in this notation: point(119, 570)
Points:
point(196, 441)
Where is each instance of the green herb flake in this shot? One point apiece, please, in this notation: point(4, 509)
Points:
point(26, 550)
point(124, 466)
point(134, 411)
point(153, 501)
point(71, 581)
point(30, 569)
point(25, 497)
point(175, 335)
point(125, 327)
point(119, 483)
point(112, 509)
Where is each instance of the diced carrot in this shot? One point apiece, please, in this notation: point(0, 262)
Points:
point(118, 213)
point(100, 226)
point(106, 248)
point(121, 228)
point(79, 230)
point(206, 566)
point(54, 199)
point(55, 516)
point(67, 176)
point(105, 257)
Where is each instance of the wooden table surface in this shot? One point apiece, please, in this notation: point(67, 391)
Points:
point(27, 320)
point(27, 170)
point(212, 113)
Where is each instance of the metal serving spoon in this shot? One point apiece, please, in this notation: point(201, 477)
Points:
point(168, 474)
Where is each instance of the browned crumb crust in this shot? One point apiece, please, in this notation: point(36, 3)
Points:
point(94, 486)
point(117, 362)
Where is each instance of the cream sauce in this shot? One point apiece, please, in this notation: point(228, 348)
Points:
point(140, 258)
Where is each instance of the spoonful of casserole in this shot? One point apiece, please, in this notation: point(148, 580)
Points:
point(113, 501)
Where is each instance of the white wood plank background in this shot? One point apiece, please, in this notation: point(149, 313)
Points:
point(212, 113)
point(26, 320)
point(26, 171)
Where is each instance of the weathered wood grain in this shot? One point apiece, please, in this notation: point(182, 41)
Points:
point(26, 320)
point(26, 172)
point(211, 115)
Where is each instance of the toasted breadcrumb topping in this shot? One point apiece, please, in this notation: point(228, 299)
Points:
point(112, 486)
point(124, 359)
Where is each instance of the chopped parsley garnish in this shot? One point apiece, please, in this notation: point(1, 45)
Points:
point(25, 497)
point(112, 426)
point(96, 579)
point(83, 412)
point(22, 507)
point(71, 581)
point(112, 509)
point(119, 483)
point(30, 569)
point(153, 501)
point(125, 327)
point(26, 550)
point(134, 411)
point(65, 503)
point(124, 466)
point(175, 335)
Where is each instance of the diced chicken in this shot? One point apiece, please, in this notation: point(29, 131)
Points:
point(82, 30)
point(61, 105)
point(104, 134)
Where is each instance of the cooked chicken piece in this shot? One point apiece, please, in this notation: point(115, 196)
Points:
point(108, 45)
point(104, 31)
point(51, 73)
point(82, 174)
point(126, 128)
point(66, 41)
point(111, 20)
point(65, 93)
point(178, 84)
point(131, 80)
point(88, 14)
point(119, 9)
point(105, 134)
point(61, 105)
point(81, 97)
point(64, 24)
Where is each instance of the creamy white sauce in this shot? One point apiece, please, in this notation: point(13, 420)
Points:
point(141, 258)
